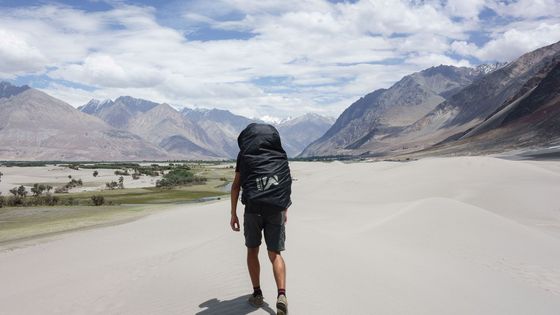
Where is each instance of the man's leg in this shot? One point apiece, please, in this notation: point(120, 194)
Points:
point(254, 265)
point(279, 269)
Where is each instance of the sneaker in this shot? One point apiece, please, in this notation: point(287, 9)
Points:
point(282, 305)
point(256, 301)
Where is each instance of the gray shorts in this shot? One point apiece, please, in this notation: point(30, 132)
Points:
point(274, 229)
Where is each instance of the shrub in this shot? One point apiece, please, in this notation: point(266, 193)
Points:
point(112, 185)
point(14, 201)
point(179, 176)
point(61, 190)
point(38, 189)
point(95, 173)
point(2, 201)
point(70, 202)
point(98, 200)
point(122, 173)
point(21, 191)
point(50, 200)
point(71, 184)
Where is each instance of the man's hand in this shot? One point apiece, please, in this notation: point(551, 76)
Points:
point(286, 216)
point(234, 223)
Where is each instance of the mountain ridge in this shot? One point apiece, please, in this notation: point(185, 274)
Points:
point(494, 88)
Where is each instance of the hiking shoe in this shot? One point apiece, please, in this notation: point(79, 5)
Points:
point(282, 305)
point(256, 301)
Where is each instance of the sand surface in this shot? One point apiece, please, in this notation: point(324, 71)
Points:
point(469, 235)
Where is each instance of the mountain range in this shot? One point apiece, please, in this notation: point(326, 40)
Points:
point(37, 126)
point(443, 110)
point(454, 110)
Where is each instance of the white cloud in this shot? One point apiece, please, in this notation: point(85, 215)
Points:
point(17, 55)
point(104, 71)
point(327, 54)
point(466, 9)
point(527, 8)
point(512, 43)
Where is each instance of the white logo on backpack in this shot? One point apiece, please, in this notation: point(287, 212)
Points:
point(266, 182)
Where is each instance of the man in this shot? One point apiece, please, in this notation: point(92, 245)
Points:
point(263, 173)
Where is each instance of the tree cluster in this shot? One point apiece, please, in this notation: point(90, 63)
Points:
point(71, 184)
point(115, 185)
point(20, 197)
point(179, 177)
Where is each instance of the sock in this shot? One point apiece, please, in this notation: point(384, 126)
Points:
point(281, 292)
point(257, 291)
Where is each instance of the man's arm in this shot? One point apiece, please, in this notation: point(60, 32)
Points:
point(235, 188)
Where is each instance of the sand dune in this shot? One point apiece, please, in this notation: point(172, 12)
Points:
point(469, 235)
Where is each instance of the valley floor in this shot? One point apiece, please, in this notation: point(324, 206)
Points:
point(465, 235)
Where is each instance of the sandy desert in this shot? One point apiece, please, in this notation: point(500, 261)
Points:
point(463, 235)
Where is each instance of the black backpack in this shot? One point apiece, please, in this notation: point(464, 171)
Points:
point(263, 164)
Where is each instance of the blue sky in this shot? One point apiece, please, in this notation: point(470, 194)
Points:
point(256, 58)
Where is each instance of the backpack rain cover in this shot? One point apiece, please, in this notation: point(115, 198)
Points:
point(263, 164)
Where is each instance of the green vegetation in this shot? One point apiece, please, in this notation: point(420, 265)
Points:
point(38, 189)
point(31, 222)
point(36, 211)
point(178, 177)
point(20, 197)
point(109, 165)
point(151, 195)
point(23, 163)
point(97, 200)
point(114, 185)
point(71, 184)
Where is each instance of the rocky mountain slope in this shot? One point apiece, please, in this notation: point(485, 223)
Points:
point(474, 117)
point(36, 126)
point(164, 126)
point(117, 113)
point(223, 127)
point(297, 133)
point(388, 111)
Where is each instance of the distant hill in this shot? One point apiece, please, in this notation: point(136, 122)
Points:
point(297, 133)
point(388, 111)
point(223, 127)
point(36, 126)
point(449, 110)
point(119, 112)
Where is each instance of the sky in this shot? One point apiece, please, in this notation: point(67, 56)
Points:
point(256, 58)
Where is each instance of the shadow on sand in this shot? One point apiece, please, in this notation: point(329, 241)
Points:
point(237, 306)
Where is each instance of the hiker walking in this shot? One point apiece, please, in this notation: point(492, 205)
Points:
point(263, 175)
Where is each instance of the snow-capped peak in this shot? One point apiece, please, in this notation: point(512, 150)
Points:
point(487, 68)
point(274, 120)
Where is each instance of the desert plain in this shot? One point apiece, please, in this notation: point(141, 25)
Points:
point(458, 235)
